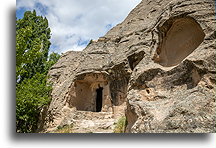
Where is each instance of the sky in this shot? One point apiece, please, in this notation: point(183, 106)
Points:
point(74, 23)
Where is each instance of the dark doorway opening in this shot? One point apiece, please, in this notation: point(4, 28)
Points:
point(99, 99)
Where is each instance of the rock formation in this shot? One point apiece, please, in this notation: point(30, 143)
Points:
point(157, 67)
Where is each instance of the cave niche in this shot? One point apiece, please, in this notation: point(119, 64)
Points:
point(179, 38)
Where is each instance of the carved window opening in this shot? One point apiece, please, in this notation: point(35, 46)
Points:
point(179, 38)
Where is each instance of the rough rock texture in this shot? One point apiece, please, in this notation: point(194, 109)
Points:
point(91, 122)
point(160, 60)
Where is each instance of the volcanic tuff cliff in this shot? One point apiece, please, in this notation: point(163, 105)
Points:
point(157, 67)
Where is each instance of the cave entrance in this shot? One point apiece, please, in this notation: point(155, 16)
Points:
point(91, 92)
point(99, 98)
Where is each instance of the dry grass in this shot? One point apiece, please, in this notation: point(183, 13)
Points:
point(64, 129)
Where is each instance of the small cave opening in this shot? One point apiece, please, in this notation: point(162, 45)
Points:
point(135, 58)
point(99, 98)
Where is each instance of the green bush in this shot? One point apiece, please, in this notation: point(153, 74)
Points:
point(120, 125)
point(31, 95)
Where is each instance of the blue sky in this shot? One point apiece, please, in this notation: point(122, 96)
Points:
point(74, 23)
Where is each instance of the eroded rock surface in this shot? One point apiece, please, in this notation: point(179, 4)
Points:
point(160, 62)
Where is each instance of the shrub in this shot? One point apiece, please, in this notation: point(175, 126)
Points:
point(120, 125)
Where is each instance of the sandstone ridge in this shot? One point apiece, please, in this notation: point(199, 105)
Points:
point(157, 68)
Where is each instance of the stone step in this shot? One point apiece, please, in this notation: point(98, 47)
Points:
point(93, 122)
point(94, 128)
point(93, 115)
point(92, 131)
point(89, 122)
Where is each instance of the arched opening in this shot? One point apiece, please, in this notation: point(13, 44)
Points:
point(99, 98)
point(179, 38)
point(91, 92)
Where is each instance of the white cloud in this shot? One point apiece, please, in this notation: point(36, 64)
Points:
point(72, 21)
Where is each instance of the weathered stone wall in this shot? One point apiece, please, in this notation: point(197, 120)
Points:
point(160, 60)
point(179, 99)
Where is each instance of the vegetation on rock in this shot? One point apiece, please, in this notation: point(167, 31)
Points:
point(65, 129)
point(120, 125)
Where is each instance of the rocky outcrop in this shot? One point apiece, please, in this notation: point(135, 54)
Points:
point(160, 60)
